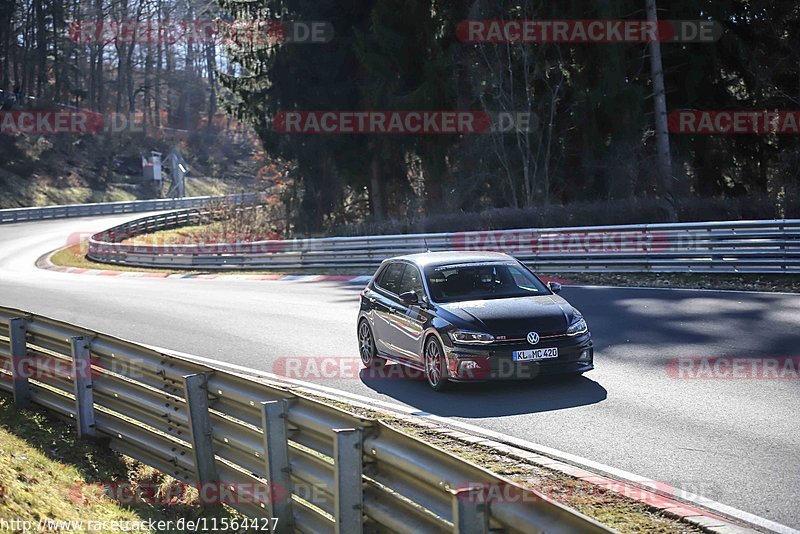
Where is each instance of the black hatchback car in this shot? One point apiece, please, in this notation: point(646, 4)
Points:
point(460, 316)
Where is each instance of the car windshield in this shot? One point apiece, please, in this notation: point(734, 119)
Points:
point(479, 281)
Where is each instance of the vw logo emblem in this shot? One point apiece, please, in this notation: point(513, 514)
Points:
point(533, 338)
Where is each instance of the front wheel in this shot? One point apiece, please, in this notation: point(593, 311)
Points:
point(367, 348)
point(436, 365)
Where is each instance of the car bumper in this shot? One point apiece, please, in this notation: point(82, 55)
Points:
point(575, 355)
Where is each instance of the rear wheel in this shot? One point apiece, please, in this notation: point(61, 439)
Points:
point(435, 365)
point(367, 348)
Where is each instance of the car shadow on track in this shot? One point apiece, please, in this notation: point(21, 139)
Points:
point(489, 399)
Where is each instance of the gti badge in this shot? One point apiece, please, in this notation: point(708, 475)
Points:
point(533, 338)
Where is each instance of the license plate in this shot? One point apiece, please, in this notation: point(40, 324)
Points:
point(535, 354)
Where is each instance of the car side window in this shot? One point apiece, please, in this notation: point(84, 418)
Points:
point(379, 275)
point(412, 281)
point(391, 277)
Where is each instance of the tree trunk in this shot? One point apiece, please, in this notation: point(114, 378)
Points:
point(376, 188)
point(662, 131)
point(212, 82)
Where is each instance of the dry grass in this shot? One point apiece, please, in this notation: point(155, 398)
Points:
point(75, 256)
point(48, 474)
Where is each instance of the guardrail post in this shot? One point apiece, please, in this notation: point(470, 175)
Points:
point(348, 480)
point(17, 329)
point(200, 428)
point(276, 453)
point(470, 511)
point(84, 397)
point(784, 263)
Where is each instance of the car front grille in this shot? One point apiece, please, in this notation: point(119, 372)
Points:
point(521, 341)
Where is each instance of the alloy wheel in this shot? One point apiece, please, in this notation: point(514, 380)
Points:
point(433, 364)
point(365, 343)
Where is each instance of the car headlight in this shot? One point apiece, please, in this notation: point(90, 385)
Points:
point(578, 326)
point(470, 338)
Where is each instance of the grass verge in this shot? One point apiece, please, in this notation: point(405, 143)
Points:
point(46, 473)
point(202, 234)
point(75, 256)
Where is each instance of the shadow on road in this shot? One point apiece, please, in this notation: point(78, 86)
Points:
point(489, 399)
point(663, 325)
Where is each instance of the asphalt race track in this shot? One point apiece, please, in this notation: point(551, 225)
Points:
point(732, 440)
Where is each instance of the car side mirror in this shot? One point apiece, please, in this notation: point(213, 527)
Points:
point(555, 287)
point(409, 297)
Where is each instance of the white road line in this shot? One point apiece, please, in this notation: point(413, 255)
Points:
point(578, 461)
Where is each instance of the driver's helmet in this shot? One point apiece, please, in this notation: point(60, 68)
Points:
point(485, 279)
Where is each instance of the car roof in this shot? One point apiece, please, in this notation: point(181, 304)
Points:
point(424, 259)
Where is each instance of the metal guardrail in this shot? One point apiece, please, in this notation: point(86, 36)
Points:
point(203, 425)
point(770, 246)
point(110, 208)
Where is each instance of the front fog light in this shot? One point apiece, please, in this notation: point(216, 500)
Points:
point(469, 365)
point(585, 355)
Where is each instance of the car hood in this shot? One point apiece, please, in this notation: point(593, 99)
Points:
point(545, 314)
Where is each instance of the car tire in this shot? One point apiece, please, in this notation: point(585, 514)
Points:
point(366, 347)
point(435, 365)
